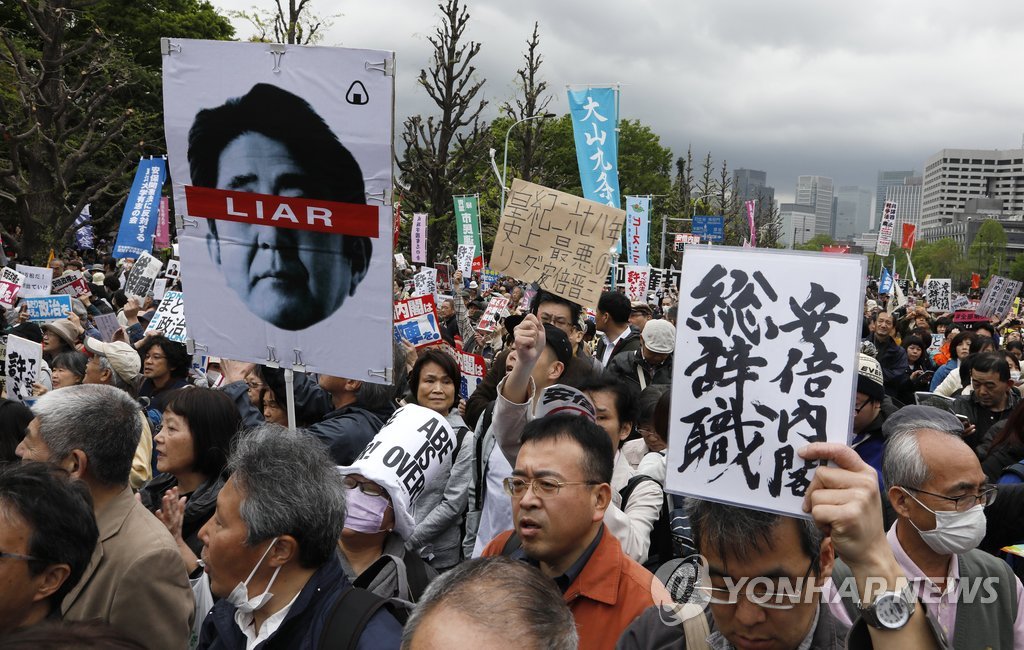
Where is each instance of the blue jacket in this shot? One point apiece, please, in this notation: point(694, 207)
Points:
point(302, 627)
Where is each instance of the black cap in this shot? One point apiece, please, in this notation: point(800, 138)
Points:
point(559, 342)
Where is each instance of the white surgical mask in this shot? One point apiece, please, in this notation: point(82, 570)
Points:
point(955, 532)
point(239, 596)
point(1015, 376)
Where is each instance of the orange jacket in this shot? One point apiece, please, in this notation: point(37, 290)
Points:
point(943, 356)
point(608, 595)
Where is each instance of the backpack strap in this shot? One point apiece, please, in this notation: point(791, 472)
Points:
point(512, 544)
point(627, 490)
point(416, 573)
point(480, 464)
point(1017, 469)
point(349, 616)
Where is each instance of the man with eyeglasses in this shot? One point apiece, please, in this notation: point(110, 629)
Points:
point(939, 492)
point(47, 533)
point(560, 491)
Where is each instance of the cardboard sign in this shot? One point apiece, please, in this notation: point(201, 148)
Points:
point(560, 399)
point(638, 280)
point(998, 297)
point(939, 294)
point(23, 360)
point(416, 321)
point(170, 317)
point(465, 257)
point(72, 284)
point(37, 280)
point(426, 282)
point(496, 308)
point(10, 287)
point(139, 282)
point(107, 325)
point(48, 308)
point(560, 241)
point(765, 363)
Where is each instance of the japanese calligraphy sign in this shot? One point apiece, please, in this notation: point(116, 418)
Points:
point(72, 284)
point(464, 259)
point(426, 282)
point(23, 360)
point(142, 276)
point(37, 280)
point(885, 228)
point(170, 317)
point(998, 297)
point(107, 325)
point(595, 118)
point(709, 227)
point(560, 241)
point(561, 399)
point(638, 209)
point(48, 307)
point(638, 279)
point(765, 363)
point(416, 321)
point(138, 221)
point(163, 224)
point(960, 301)
point(939, 294)
point(467, 224)
point(10, 286)
point(472, 369)
point(496, 308)
point(488, 279)
point(419, 238)
point(937, 341)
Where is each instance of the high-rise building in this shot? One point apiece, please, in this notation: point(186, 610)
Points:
point(952, 176)
point(908, 204)
point(753, 184)
point(885, 180)
point(816, 191)
point(798, 223)
point(853, 213)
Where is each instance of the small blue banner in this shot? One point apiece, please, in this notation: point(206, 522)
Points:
point(138, 222)
point(885, 282)
point(48, 308)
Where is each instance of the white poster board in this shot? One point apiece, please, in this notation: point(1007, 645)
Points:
point(24, 359)
point(139, 282)
point(297, 257)
point(173, 269)
point(765, 363)
point(170, 317)
point(998, 297)
point(464, 256)
point(425, 282)
point(939, 294)
point(10, 286)
point(107, 325)
point(37, 280)
point(638, 280)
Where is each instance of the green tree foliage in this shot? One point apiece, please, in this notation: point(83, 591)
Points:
point(986, 256)
point(292, 22)
point(816, 243)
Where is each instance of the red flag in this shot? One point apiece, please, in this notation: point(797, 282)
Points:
point(838, 248)
point(909, 232)
point(975, 281)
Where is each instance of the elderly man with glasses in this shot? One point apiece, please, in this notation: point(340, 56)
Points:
point(939, 492)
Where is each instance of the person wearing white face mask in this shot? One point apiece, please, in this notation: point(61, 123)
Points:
point(939, 493)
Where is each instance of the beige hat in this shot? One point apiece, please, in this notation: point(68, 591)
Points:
point(122, 357)
point(66, 330)
point(659, 336)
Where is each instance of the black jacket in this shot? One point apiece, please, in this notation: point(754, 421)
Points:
point(628, 343)
point(895, 367)
point(982, 418)
point(198, 509)
point(625, 367)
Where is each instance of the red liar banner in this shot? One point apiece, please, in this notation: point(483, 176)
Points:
point(297, 213)
point(909, 232)
point(975, 281)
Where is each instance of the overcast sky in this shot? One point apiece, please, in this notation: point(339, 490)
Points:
point(840, 89)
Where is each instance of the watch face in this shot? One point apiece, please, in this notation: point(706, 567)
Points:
point(891, 611)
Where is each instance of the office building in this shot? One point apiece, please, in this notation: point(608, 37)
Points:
point(908, 205)
point(753, 184)
point(853, 211)
point(952, 176)
point(798, 223)
point(817, 191)
point(885, 180)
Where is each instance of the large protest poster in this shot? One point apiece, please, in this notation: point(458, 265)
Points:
point(170, 317)
point(885, 228)
point(138, 221)
point(638, 279)
point(72, 284)
point(939, 294)
point(286, 219)
point(638, 214)
point(467, 224)
point(595, 121)
point(48, 308)
point(416, 321)
point(560, 241)
point(998, 297)
point(37, 282)
point(10, 286)
point(139, 282)
point(496, 308)
point(425, 282)
point(765, 363)
point(23, 361)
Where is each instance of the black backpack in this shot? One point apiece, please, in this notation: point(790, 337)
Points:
point(671, 536)
point(350, 615)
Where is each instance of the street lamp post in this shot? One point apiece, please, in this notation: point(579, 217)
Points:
point(503, 177)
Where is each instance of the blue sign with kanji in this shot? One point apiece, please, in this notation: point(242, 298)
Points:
point(710, 227)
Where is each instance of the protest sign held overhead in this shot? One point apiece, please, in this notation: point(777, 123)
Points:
point(296, 254)
point(72, 284)
point(37, 282)
point(24, 358)
point(416, 321)
point(444, 277)
point(464, 259)
point(560, 241)
point(497, 308)
point(764, 364)
point(173, 269)
point(139, 282)
point(159, 288)
point(425, 282)
point(595, 121)
point(467, 224)
point(885, 229)
point(170, 317)
point(998, 297)
point(107, 325)
point(138, 221)
point(48, 308)
point(472, 368)
point(638, 210)
point(10, 286)
point(939, 294)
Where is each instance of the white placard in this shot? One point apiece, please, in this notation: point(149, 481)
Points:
point(24, 359)
point(10, 286)
point(139, 282)
point(496, 308)
point(885, 228)
point(294, 283)
point(765, 363)
point(939, 294)
point(159, 288)
point(107, 325)
point(173, 269)
point(425, 282)
point(37, 280)
point(638, 279)
point(170, 317)
point(998, 297)
point(465, 259)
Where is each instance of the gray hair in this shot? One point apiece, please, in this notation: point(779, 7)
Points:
point(499, 588)
point(289, 486)
point(902, 462)
point(102, 421)
point(743, 533)
point(115, 379)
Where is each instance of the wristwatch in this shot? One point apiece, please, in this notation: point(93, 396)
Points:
point(890, 610)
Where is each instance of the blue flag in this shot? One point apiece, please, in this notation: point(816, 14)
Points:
point(885, 283)
point(84, 236)
point(138, 222)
